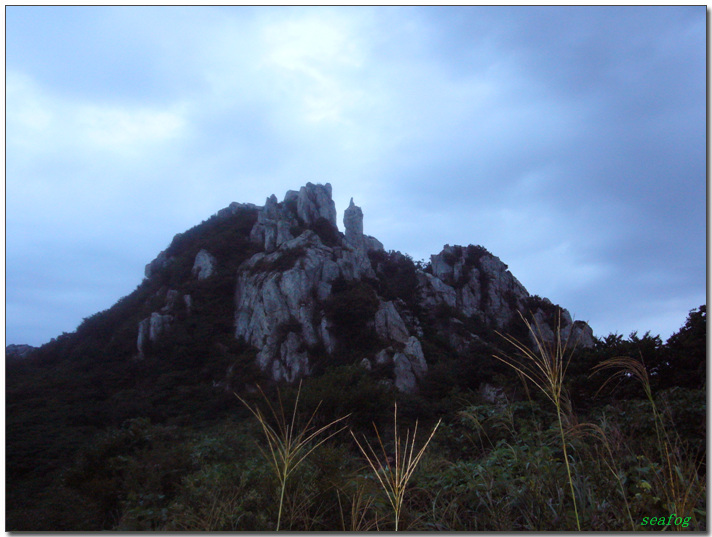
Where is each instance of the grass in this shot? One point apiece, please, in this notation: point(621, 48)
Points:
point(361, 504)
point(546, 366)
point(679, 479)
point(393, 473)
point(288, 443)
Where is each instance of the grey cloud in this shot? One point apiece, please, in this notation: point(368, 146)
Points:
point(568, 141)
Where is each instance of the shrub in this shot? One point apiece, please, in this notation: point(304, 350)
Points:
point(137, 464)
point(327, 232)
point(397, 276)
point(350, 308)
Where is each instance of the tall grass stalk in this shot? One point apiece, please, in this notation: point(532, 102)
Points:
point(288, 443)
point(394, 476)
point(361, 505)
point(596, 431)
point(545, 366)
point(680, 482)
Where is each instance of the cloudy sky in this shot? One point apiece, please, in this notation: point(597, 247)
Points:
point(568, 141)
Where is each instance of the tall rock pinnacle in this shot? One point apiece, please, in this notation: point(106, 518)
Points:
point(353, 224)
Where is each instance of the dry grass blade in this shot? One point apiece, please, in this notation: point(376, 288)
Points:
point(288, 445)
point(546, 366)
point(596, 431)
point(680, 482)
point(361, 506)
point(624, 366)
point(394, 479)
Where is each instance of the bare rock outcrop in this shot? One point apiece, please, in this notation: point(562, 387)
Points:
point(151, 329)
point(314, 202)
point(204, 265)
point(280, 295)
point(353, 230)
point(353, 225)
point(389, 323)
point(286, 295)
point(475, 283)
point(281, 291)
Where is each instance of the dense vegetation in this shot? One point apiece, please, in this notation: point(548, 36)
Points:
point(99, 438)
point(92, 448)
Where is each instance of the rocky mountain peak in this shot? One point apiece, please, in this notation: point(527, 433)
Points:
point(305, 295)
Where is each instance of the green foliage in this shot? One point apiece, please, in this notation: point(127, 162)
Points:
point(452, 256)
point(225, 237)
point(97, 440)
point(474, 254)
point(687, 354)
point(348, 390)
point(136, 465)
point(397, 278)
point(327, 232)
point(350, 307)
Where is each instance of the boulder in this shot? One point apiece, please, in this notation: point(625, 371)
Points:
point(403, 372)
point(204, 265)
point(408, 364)
point(389, 323)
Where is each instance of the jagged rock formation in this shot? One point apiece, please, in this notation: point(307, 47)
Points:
point(152, 328)
point(353, 227)
point(279, 292)
point(478, 284)
point(309, 291)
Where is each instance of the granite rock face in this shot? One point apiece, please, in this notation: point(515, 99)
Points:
point(353, 230)
point(478, 284)
point(281, 295)
point(314, 202)
point(157, 325)
point(474, 282)
point(289, 294)
point(204, 265)
point(353, 225)
point(281, 292)
point(152, 328)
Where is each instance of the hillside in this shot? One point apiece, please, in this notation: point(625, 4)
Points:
point(268, 296)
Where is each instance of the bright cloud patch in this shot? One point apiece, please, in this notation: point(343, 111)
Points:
point(42, 124)
point(127, 130)
point(315, 56)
